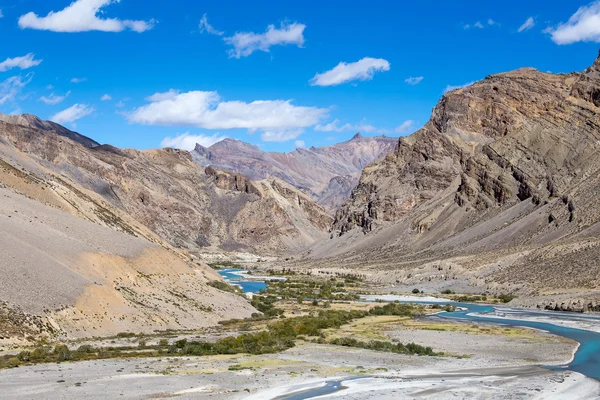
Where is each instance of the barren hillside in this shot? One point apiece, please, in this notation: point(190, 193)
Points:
point(96, 240)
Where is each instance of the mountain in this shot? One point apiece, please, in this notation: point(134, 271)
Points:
point(327, 174)
point(31, 121)
point(98, 240)
point(499, 191)
point(188, 205)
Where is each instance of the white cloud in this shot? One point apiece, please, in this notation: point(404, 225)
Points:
point(106, 97)
point(82, 16)
point(170, 95)
point(527, 25)
point(450, 88)
point(188, 142)
point(414, 81)
point(280, 136)
point(299, 144)
point(361, 70)
point(207, 110)
point(78, 80)
point(53, 99)
point(50, 87)
point(208, 28)
point(27, 61)
point(405, 127)
point(245, 43)
point(334, 126)
point(10, 88)
point(481, 25)
point(72, 114)
point(583, 26)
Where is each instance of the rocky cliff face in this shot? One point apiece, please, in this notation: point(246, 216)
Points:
point(508, 165)
point(326, 173)
point(522, 135)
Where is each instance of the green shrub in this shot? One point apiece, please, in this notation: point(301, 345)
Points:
point(62, 353)
point(24, 356)
point(416, 291)
point(376, 345)
point(399, 309)
point(86, 348)
point(13, 362)
point(505, 298)
point(225, 287)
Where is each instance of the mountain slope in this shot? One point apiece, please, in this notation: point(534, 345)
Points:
point(326, 173)
point(499, 189)
point(67, 276)
point(97, 240)
point(167, 193)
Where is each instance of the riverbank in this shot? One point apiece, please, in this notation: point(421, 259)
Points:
point(269, 376)
point(469, 358)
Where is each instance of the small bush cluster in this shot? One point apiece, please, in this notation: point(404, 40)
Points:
point(396, 308)
point(309, 289)
point(266, 305)
point(505, 298)
point(223, 264)
point(225, 287)
point(376, 345)
point(471, 299)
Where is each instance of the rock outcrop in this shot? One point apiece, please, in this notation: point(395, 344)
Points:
point(327, 174)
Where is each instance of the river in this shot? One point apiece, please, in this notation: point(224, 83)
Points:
point(586, 359)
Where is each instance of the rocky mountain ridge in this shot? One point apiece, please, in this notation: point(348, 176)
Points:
point(500, 188)
point(327, 174)
point(31, 121)
point(188, 205)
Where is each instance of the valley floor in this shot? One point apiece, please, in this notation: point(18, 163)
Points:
point(495, 365)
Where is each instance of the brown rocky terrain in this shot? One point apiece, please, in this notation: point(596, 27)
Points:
point(97, 240)
point(164, 191)
point(500, 190)
point(327, 174)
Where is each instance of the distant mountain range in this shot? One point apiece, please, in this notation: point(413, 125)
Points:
point(327, 174)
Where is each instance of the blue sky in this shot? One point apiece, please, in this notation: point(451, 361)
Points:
point(269, 72)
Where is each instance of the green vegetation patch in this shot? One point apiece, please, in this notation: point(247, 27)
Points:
point(278, 336)
point(225, 287)
point(301, 289)
point(377, 345)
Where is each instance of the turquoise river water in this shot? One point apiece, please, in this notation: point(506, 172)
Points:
point(585, 361)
